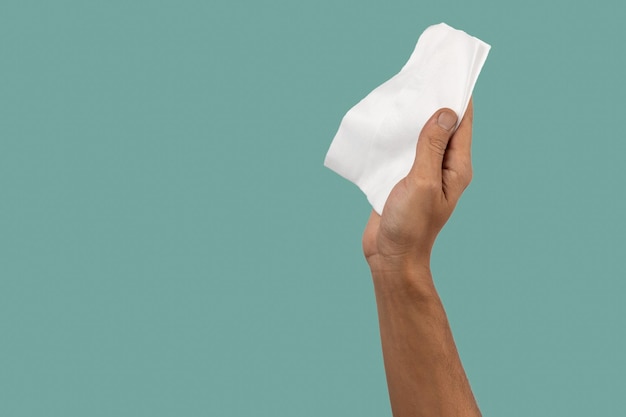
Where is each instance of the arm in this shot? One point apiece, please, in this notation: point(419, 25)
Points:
point(425, 376)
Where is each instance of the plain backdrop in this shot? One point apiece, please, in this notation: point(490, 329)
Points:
point(171, 244)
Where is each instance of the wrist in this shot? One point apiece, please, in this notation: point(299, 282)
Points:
point(399, 264)
point(403, 276)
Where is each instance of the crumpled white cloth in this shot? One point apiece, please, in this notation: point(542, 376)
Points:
point(375, 144)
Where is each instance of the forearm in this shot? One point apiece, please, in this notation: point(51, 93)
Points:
point(424, 372)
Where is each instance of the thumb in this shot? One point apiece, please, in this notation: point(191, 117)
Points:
point(432, 145)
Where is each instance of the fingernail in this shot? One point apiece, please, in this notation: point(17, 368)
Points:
point(446, 119)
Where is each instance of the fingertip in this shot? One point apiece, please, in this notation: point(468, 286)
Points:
point(374, 216)
point(433, 142)
point(447, 119)
point(469, 112)
point(468, 118)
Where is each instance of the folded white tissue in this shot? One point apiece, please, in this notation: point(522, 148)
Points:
point(375, 144)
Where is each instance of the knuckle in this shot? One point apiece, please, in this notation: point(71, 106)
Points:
point(466, 176)
point(426, 184)
point(438, 144)
point(464, 181)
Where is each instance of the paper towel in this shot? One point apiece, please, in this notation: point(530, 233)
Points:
point(376, 141)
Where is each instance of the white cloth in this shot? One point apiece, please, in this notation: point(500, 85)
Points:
point(375, 144)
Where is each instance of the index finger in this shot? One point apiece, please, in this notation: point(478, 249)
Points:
point(460, 145)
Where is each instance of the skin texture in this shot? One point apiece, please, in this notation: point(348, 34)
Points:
point(425, 376)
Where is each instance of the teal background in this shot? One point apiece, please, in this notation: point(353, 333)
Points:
point(171, 245)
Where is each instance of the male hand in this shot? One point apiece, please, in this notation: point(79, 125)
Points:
point(425, 376)
point(421, 203)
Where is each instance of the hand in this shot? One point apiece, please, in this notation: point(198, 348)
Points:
point(421, 203)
